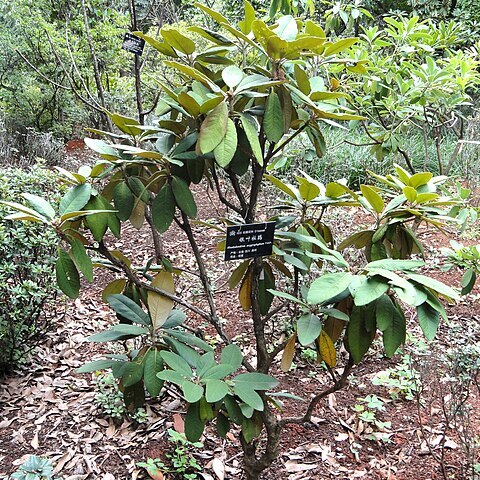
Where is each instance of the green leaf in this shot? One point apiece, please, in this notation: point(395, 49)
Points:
point(189, 339)
point(40, 205)
point(249, 125)
point(468, 281)
point(213, 128)
point(359, 338)
point(285, 188)
point(249, 396)
point(123, 200)
point(256, 381)
point(252, 428)
point(223, 425)
point(132, 373)
point(215, 390)
point(328, 286)
point(172, 376)
point(192, 392)
point(308, 190)
point(421, 178)
point(179, 42)
point(309, 327)
point(127, 125)
point(273, 118)
point(365, 290)
point(232, 76)
point(385, 311)
point(153, 365)
point(177, 363)
point(183, 197)
point(96, 365)
point(234, 411)
point(336, 47)
point(225, 150)
point(75, 199)
point(373, 198)
point(429, 320)
point(67, 275)
point(81, 259)
point(232, 355)
point(395, 334)
point(389, 264)
point(410, 193)
point(118, 332)
point(218, 372)
point(163, 208)
point(435, 285)
point(302, 79)
point(194, 426)
point(127, 308)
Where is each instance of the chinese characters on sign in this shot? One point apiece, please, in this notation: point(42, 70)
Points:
point(133, 44)
point(248, 241)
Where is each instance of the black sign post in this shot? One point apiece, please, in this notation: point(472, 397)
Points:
point(133, 44)
point(250, 240)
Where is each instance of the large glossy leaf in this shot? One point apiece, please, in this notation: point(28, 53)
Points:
point(118, 332)
point(232, 76)
point(359, 338)
point(435, 285)
point(394, 335)
point(40, 205)
point(328, 286)
point(309, 327)
point(256, 381)
point(177, 363)
point(273, 118)
point(232, 355)
point(67, 275)
point(365, 290)
point(385, 311)
point(179, 42)
point(215, 390)
point(132, 373)
point(75, 199)
point(152, 365)
point(248, 395)
point(163, 208)
point(225, 150)
point(192, 391)
point(213, 128)
point(429, 320)
point(81, 259)
point(127, 308)
point(373, 198)
point(194, 425)
point(249, 125)
point(183, 197)
point(123, 200)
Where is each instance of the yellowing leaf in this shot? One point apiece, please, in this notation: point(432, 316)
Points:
point(327, 349)
point(117, 286)
point(288, 353)
point(158, 305)
point(245, 293)
point(373, 198)
point(178, 41)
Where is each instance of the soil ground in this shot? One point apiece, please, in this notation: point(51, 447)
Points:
point(48, 409)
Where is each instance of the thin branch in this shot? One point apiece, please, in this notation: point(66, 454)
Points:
point(338, 385)
point(133, 278)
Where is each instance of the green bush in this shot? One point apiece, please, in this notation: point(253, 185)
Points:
point(27, 282)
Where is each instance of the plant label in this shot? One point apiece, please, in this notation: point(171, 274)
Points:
point(133, 44)
point(250, 240)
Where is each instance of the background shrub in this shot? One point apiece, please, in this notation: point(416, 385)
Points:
point(27, 283)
